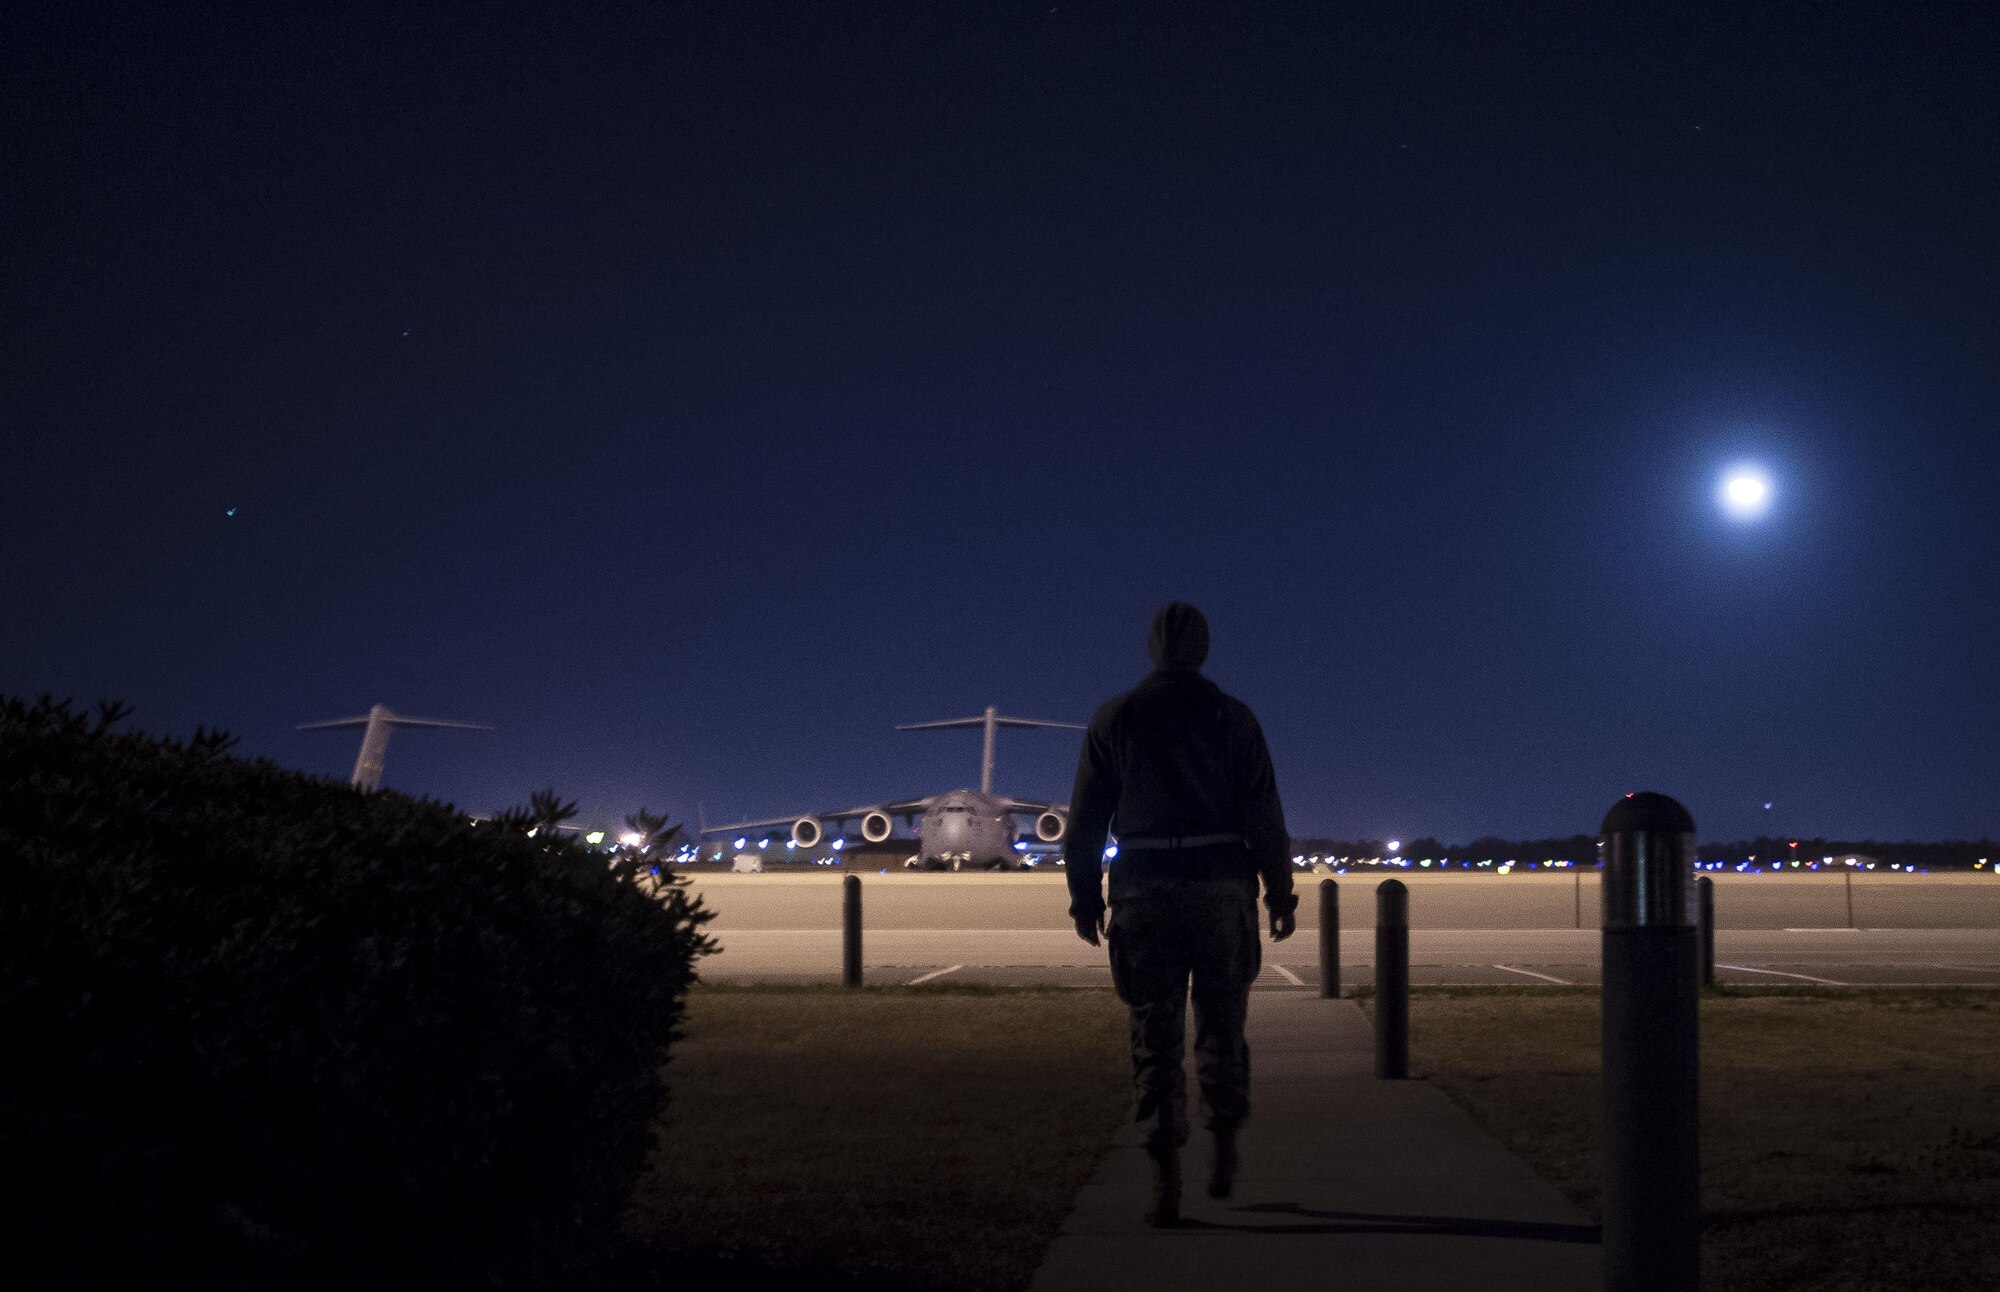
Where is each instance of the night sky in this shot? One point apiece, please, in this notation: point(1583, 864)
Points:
point(695, 391)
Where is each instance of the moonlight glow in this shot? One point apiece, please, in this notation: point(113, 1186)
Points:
point(1746, 493)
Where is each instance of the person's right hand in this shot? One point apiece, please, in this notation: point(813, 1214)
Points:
point(1283, 926)
point(1090, 930)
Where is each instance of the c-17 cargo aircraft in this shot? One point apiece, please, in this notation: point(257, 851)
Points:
point(960, 830)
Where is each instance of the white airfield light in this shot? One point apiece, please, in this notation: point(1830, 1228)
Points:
point(1746, 493)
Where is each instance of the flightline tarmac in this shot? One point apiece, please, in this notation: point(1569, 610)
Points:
point(1471, 930)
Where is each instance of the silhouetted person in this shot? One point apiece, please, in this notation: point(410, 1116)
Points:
point(1182, 771)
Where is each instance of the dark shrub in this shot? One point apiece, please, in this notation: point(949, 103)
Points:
point(259, 1028)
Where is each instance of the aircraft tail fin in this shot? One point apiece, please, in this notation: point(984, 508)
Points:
point(996, 720)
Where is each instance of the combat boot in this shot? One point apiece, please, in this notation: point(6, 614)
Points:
point(1165, 1213)
point(1222, 1170)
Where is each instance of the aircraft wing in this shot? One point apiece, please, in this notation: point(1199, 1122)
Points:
point(908, 807)
point(751, 825)
point(1024, 805)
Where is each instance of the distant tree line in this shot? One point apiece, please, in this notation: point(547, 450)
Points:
point(1582, 848)
point(1956, 854)
point(1578, 847)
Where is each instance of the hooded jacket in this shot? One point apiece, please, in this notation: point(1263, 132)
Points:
point(1176, 757)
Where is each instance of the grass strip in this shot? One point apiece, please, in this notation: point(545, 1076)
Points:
point(915, 1137)
point(1850, 1139)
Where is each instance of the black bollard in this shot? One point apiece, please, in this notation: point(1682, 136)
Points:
point(1392, 980)
point(1329, 939)
point(1704, 891)
point(850, 931)
point(1652, 1162)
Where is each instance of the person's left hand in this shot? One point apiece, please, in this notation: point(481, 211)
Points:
point(1283, 926)
point(1090, 930)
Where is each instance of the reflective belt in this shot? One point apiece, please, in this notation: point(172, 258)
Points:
point(1180, 841)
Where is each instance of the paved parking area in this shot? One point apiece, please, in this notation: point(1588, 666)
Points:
point(805, 898)
point(1010, 929)
point(1298, 975)
point(1441, 957)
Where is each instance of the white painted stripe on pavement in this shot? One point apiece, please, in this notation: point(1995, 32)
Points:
point(1806, 977)
point(1560, 982)
point(935, 973)
point(1288, 975)
point(1831, 928)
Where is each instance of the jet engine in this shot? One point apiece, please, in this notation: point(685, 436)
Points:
point(806, 832)
point(1051, 826)
point(876, 826)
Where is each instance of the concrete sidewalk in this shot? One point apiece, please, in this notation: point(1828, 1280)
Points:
point(1347, 1182)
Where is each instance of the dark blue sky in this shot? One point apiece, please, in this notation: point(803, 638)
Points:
point(694, 391)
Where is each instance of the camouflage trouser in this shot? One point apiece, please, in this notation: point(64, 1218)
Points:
point(1159, 940)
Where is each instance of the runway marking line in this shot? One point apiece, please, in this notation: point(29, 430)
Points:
point(1803, 977)
point(935, 973)
point(1831, 928)
point(1288, 975)
point(1560, 982)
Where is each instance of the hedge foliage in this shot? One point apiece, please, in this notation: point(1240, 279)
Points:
point(259, 1028)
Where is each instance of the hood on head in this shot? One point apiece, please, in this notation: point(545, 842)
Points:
point(1178, 637)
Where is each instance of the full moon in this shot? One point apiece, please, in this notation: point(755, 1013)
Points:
point(1745, 493)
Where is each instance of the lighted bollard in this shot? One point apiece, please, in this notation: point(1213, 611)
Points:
point(1652, 1163)
point(850, 931)
point(1329, 939)
point(1704, 891)
point(1392, 980)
